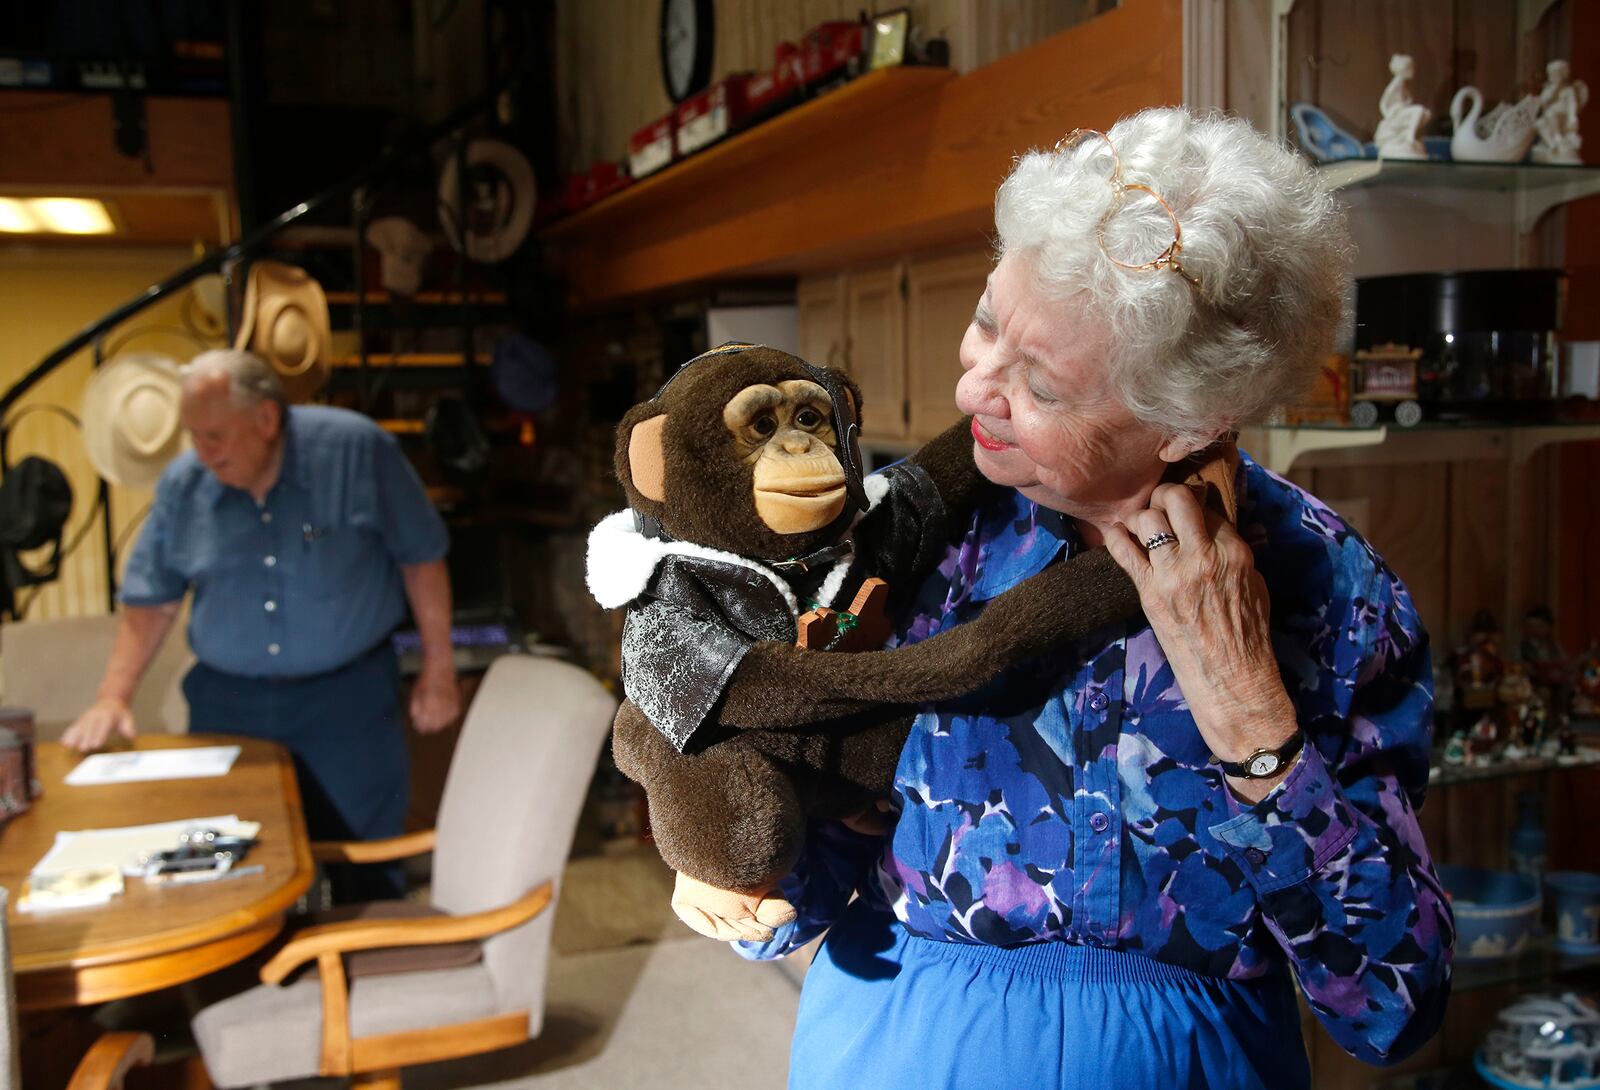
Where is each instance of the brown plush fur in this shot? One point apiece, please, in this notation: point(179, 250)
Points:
point(801, 732)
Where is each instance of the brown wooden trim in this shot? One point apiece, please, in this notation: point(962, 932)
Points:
point(335, 1015)
point(864, 175)
point(389, 1050)
point(110, 1060)
point(85, 985)
point(343, 938)
point(373, 851)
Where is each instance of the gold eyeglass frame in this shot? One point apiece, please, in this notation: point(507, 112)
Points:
point(1166, 259)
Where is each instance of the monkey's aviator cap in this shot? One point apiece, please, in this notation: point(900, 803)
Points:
point(846, 422)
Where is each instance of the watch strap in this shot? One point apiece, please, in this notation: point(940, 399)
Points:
point(1285, 753)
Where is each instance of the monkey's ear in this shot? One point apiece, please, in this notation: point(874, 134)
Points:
point(647, 462)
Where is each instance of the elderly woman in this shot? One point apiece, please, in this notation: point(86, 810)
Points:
point(1105, 868)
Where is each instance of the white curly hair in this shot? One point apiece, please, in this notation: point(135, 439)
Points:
point(1261, 234)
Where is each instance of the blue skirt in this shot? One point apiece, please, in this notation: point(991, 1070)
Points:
point(884, 1008)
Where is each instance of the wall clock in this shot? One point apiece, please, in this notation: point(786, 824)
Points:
point(686, 45)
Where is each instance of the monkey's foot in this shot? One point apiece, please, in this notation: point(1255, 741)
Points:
point(728, 914)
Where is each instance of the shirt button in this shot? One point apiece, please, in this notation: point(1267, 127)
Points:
point(1256, 856)
point(270, 561)
point(1098, 700)
point(271, 606)
point(266, 516)
point(1099, 822)
point(273, 649)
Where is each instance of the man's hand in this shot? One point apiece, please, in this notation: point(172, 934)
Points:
point(96, 725)
point(435, 700)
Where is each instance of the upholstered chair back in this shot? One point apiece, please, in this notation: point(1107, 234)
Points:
point(521, 770)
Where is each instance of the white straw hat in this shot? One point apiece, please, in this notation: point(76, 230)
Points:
point(286, 323)
point(499, 202)
point(132, 425)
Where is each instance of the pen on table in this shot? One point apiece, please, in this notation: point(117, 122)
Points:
point(213, 876)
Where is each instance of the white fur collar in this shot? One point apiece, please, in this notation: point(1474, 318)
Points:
point(621, 559)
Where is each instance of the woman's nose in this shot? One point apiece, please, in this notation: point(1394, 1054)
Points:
point(979, 390)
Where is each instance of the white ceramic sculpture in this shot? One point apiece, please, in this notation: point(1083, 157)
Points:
point(1500, 136)
point(1399, 134)
point(1557, 124)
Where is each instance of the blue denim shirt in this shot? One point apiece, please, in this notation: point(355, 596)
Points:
point(310, 578)
point(1074, 800)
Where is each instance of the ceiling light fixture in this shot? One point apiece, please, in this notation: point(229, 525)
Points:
point(55, 216)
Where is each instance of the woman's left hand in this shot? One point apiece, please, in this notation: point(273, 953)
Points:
point(1209, 609)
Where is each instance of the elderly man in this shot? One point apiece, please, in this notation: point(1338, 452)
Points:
point(297, 529)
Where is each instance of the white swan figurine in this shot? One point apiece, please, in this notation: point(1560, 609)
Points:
point(1503, 135)
point(1399, 134)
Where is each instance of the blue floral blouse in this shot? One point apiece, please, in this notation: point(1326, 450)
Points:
point(1075, 800)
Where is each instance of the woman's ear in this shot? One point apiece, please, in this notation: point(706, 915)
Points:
point(1177, 448)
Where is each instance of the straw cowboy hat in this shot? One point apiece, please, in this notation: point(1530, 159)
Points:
point(498, 204)
point(131, 422)
point(286, 324)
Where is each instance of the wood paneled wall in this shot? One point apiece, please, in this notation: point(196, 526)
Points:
point(609, 80)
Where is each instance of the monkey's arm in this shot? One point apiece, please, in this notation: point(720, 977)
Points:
point(778, 686)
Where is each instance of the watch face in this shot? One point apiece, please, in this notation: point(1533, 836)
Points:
point(1263, 764)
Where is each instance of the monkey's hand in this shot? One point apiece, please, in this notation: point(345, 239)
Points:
point(779, 686)
point(728, 914)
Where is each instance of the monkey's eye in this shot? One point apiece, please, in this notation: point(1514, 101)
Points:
point(764, 425)
point(808, 418)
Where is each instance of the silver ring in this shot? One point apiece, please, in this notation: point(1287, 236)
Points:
point(1156, 541)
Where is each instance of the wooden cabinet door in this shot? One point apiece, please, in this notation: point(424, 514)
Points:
point(941, 295)
point(820, 306)
point(875, 347)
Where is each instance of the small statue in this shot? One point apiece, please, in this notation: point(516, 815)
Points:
point(1513, 691)
point(1566, 741)
point(1557, 124)
point(1528, 736)
point(1399, 134)
point(1455, 750)
point(1482, 739)
point(1544, 657)
point(1477, 664)
point(1585, 702)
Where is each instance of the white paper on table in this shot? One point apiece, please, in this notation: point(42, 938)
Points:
point(121, 848)
point(135, 766)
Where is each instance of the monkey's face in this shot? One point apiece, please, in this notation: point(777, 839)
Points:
point(784, 432)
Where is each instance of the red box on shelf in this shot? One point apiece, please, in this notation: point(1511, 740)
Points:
point(771, 92)
point(832, 51)
point(651, 148)
point(605, 179)
point(714, 113)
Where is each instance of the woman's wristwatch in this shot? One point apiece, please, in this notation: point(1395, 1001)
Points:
point(1264, 763)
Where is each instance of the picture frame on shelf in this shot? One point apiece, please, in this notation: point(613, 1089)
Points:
point(890, 31)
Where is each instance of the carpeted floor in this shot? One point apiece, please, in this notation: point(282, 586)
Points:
point(614, 899)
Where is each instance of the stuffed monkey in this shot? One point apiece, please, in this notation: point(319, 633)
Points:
point(747, 509)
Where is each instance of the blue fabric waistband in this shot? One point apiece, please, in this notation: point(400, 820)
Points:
point(1067, 961)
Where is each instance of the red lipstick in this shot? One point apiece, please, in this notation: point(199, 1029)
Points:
point(985, 440)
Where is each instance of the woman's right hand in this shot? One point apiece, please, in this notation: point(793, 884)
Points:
point(96, 725)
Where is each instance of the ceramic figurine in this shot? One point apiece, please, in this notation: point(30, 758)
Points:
point(1326, 141)
point(1528, 733)
point(1566, 741)
point(1455, 750)
point(1482, 739)
point(1500, 136)
point(1557, 123)
point(1544, 658)
point(1586, 684)
point(1477, 664)
point(1399, 134)
point(1513, 691)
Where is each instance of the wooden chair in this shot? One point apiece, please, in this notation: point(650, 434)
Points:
point(517, 782)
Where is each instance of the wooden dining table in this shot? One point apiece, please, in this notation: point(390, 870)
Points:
point(154, 936)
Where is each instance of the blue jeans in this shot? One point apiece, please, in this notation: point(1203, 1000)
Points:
point(343, 728)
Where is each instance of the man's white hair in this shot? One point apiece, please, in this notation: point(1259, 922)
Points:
point(1261, 234)
point(251, 379)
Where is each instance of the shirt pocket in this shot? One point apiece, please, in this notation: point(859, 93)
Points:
point(333, 559)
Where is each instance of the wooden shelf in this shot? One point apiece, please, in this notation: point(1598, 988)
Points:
point(898, 161)
point(404, 359)
point(1281, 449)
point(424, 298)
